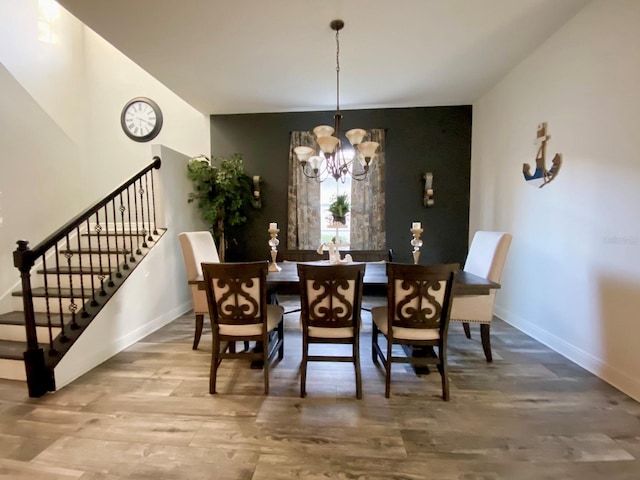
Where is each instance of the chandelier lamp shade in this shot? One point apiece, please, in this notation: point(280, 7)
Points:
point(331, 160)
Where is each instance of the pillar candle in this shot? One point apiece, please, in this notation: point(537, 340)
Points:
point(416, 225)
point(273, 226)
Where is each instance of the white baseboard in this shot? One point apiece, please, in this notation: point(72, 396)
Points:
point(610, 374)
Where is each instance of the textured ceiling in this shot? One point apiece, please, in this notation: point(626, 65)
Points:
point(249, 56)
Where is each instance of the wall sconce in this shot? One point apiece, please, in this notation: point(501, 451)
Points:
point(257, 200)
point(427, 197)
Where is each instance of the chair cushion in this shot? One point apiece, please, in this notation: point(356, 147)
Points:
point(323, 332)
point(274, 317)
point(379, 315)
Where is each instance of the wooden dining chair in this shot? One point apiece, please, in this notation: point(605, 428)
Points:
point(330, 298)
point(237, 297)
point(416, 315)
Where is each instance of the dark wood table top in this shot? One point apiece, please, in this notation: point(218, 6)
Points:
point(375, 275)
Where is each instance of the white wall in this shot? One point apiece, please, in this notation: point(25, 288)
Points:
point(61, 144)
point(572, 279)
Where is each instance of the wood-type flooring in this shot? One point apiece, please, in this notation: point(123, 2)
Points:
point(147, 414)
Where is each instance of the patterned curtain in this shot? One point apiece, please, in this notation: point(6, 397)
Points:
point(367, 202)
point(303, 229)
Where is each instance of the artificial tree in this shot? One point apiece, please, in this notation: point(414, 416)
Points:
point(223, 193)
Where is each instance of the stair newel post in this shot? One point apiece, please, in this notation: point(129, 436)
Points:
point(39, 378)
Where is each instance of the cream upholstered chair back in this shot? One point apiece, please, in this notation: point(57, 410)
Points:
point(486, 258)
point(487, 254)
point(198, 247)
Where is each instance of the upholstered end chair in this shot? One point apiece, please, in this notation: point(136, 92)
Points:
point(486, 258)
point(198, 247)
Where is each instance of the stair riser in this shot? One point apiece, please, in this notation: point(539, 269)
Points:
point(12, 370)
point(17, 333)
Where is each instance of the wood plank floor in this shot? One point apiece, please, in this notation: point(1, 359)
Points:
point(146, 414)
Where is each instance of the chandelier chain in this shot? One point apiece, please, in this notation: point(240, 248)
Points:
point(338, 70)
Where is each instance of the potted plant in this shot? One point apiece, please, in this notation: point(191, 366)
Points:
point(223, 193)
point(339, 207)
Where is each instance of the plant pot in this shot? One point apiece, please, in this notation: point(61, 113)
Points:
point(342, 220)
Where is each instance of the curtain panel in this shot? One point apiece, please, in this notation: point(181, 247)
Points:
point(303, 226)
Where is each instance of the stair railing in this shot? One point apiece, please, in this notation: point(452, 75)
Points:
point(126, 220)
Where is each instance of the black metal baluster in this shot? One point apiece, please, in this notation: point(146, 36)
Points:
point(144, 230)
point(63, 335)
point(73, 307)
point(153, 198)
point(101, 276)
point(52, 351)
point(132, 259)
point(106, 229)
point(94, 302)
point(83, 313)
point(135, 206)
point(122, 209)
point(115, 229)
point(142, 191)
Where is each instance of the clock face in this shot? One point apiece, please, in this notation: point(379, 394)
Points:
point(141, 119)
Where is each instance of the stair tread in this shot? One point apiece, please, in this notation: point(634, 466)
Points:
point(115, 234)
point(86, 269)
point(11, 350)
point(105, 251)
point(17, 318)
point(55, 292)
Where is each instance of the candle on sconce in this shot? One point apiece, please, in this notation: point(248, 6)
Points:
point(416, 225)
point(273, 226)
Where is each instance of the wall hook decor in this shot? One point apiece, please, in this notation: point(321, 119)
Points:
point(542, 176)
point(427, 196)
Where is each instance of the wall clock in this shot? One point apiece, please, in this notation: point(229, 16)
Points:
point(141, 119)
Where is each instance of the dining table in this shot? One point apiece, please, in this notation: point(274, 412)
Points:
point(375, 275)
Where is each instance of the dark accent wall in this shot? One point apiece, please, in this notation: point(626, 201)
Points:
point(418, 140)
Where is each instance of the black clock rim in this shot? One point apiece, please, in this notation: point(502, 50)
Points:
point(156, 129)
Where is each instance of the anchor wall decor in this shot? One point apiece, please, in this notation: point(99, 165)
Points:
point(542, 176)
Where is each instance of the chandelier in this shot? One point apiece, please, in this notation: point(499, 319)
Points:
point(331, 160)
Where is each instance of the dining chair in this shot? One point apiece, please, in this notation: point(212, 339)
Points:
point(330, 299)
point(416, 315)
point(486, 258)
point(238, 309)
point(198, 247)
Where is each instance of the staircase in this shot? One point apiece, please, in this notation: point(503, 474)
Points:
point(69, 277)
